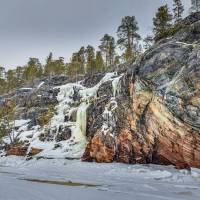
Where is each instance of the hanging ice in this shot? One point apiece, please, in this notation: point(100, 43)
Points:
point(74, 99)
point(81, 119)
point(116, 86)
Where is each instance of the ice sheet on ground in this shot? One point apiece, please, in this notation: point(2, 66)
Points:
point(117, 181)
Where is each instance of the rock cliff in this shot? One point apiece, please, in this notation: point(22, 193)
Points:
point(142, 112)
point(157, 119)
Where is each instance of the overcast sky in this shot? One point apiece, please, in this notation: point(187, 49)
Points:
point(33, 28)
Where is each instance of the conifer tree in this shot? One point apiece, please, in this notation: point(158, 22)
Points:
point(162, 22)
point(127, 33)
point(19, 74)
point(72, 67)
point(48, 69)
point(32, 70)
point(59, 66)
point(107, 48)
point(90, 59)
point(81, 55)
point(178, 10)
point(2, 80)
point(11, 79)
point(76, 67)
point(99, 63)
point(81, 59)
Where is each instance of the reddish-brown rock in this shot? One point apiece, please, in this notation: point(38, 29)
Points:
point(35, 151)
point(17, 151)
point(157, 118)
point(125, 151)
point(99, 151)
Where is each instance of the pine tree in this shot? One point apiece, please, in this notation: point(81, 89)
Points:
point(72, 68)
point(195, 5)
point(76, 67)
point(162, 22)
point(59, 66)
point(111, 51)
point(127, 33)
point(11, 80)
point(32, 70)
point(48, 69)
point(107, 48)
point(178, 10)
point(90, 59)
point(19, 74)
point(7, 116)
point(2, 80)
point(99, 63)
point(81, 59)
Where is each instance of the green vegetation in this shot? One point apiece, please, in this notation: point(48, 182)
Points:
point(7, 117)
point(107, 48)
point(127, 34)
point(45, 118)
point(167, 24)
point(162, 22)
point(88, 60)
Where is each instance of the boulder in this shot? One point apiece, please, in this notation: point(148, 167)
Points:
point(17, 151)
point(35, 151)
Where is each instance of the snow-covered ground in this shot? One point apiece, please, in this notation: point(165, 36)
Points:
point(116, 181)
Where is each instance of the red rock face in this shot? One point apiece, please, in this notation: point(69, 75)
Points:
point(152, 135)
point(169, 140)
point(98, 151)
point(17, 151)
point(35, 151)
point(22, 151)
point(124, 151)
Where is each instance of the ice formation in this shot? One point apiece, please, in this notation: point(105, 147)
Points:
point(109, 118)
point(73, 99)
point(116, 86)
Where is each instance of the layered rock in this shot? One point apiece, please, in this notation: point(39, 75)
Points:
point(142, 112)
point(157, 119)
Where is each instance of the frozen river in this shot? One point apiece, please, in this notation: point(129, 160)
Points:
point(73, 180)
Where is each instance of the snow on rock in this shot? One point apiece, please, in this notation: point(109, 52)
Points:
point(21, 122)
point(109, 119)
point(73, 98)
point(40, 85)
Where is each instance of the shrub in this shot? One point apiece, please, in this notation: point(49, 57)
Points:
point(45, 118)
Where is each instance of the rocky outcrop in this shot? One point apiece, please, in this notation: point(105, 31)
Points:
point(142, 112)
point(157, 119)
point(34, 151)
point(17, 151)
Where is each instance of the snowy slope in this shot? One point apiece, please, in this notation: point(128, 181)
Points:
point(73, 97)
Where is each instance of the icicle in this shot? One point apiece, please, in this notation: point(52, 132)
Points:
point(116, 86)
point(81, 120)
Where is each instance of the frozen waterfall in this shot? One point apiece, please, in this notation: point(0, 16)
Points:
point(70, 119)
point(81, 118)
